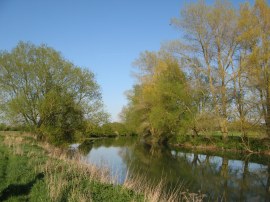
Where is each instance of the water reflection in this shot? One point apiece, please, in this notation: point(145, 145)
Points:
point(86, 147)
point(221, 176)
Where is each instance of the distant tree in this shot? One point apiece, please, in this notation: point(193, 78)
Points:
point(41, 89)
point(119, 129)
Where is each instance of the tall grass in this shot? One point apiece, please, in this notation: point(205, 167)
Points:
point(153, 192)
point(15, 143)
point(72, 179)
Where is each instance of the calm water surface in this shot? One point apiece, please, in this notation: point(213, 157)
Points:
point(226, 177)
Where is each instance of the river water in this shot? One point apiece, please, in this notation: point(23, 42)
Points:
point(221, 176)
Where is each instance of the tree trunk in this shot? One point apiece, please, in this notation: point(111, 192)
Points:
point(224, 174)
point(267, 116)
point(223, 128)
point(268, 185)
point(244, 183)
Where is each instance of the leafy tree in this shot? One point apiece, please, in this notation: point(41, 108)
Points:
point(63, 118)
point(225, 57)
point(254, 37)
point(159, 104)
point(41, 89)
point(211, 33)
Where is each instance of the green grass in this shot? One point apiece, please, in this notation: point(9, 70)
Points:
point(18, 179)
point(38, 171)
point(29, 172)
point(234, 142)
point(251, 134)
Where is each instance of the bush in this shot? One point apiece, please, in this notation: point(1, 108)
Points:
point(64, 119)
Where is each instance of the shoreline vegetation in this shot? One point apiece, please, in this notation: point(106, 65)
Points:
point(235, 144)
point(212, 143)
point(255, 143)
point(37, 171)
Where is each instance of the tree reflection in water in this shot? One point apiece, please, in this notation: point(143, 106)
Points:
point(228, 177)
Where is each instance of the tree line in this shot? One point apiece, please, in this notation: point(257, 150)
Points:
point(217, 77)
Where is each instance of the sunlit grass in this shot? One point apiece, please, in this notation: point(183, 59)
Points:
point(159, 192)
point(48, 173)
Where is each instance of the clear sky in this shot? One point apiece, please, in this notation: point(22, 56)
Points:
point(103, 36)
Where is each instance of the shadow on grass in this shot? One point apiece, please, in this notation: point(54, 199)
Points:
point(19, 190)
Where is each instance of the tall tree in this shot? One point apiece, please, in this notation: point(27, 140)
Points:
point(254, 24)
point(160, 103)
point(211, 33)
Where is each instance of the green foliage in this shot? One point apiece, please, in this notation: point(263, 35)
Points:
point(118, 129)
point(92, 130)
point(107, 130)
point(63, 118)
point(215, 142)
point(39, 88)
point(227, 74)
point(8, 127)
point(160, 103)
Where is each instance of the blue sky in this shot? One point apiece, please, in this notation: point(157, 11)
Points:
point(103, 36)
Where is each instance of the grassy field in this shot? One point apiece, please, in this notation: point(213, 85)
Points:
point(35, 171)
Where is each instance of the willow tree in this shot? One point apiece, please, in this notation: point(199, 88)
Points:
point(41, 89)
point(211, 33)
point(160, 104)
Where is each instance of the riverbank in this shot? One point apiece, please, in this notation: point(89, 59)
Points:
point(236, 144)
point(40, 172)
point(35, 171)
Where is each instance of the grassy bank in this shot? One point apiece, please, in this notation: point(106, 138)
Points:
point(234, 143)
point(34, 171)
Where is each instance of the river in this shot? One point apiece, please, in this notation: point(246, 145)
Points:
point(221, 176)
